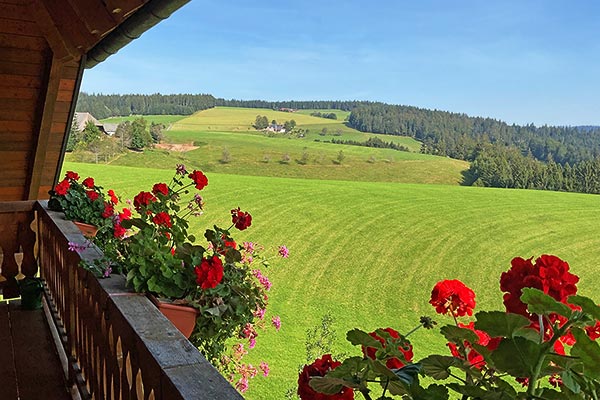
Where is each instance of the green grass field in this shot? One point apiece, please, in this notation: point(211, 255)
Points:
point(233, 119)
point(370, 252)
point(251, 152)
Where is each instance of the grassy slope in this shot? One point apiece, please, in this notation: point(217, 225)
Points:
point(233, 119)
point(371, 252)
point(253, 153)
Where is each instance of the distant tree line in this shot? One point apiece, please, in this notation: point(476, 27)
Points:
point(324, 115)
point(507, 167)
point(372, 142)
point(113, 105)
point(459, 136)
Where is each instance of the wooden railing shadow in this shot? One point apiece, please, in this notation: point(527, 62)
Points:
point(118, 345)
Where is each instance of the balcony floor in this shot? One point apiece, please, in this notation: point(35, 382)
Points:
point(29, 365)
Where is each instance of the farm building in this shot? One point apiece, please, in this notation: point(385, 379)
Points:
point(94, 338)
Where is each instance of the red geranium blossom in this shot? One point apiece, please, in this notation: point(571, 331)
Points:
point(125, 214)
point(209, 273)
point(452, 297)
point(199, 179)
point(549, 274)
point(88, 183)
point(593, 331)
point(62, 188)
point(475, 359)
point(72, 175)
point(162, 218)
point(109, 210)
point(320, 367)
point(93, 196)
point(119, 231)
point(143, 199)
point(393, 362)
point(241, 219)
point(161, 188)
point(113, 197)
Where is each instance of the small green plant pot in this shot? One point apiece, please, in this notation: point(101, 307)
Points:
point(31, 293)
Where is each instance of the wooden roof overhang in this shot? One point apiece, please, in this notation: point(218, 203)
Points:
point(44, 47)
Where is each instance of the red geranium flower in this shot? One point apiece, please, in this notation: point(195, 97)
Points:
point(143, 199)
point(549, 274)
point(452, 297)
point(88, 183)
point(199, 179)
point(209, 273)
point(125, 214)
point(475, 359)
point(113, 197)
point(119, 231)
point(320, 367)
point(593, 331)
point(93, 196)
point(162, 218)
point(405, 348)
point(241, 219)
point(72, 175)
point(109, 210)
point(62, 188)
point(161, 188)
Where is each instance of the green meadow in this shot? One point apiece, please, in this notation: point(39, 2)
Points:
point(158, 119)
point(370, 252)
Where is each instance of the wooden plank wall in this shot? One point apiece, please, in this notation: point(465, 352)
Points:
point(23, 63)
point(26, 60)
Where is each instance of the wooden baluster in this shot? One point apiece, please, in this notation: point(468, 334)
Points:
point(27, 240)
point(8, 243)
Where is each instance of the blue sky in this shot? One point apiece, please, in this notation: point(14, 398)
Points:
point(518, 61)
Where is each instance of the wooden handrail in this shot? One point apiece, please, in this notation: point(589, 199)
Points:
point(118, 344)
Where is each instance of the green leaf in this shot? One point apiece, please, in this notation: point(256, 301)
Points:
point(517, 356)
point(408, 373)
point(587, 305)
point(568, 379)
point(327, 385)
point(432, 392)
point(455, 334)
point(497, 323)
point(350, 366)
point(588, 352)
point(438, 367)
point(381, 369)
point(540, 303)
point(358, 337)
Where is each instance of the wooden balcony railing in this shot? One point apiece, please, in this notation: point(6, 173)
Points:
point(118, 345)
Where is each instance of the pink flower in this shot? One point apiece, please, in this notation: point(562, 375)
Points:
point(252, 343)
point(264, 367)
point(249, 247)
point(260, 313)
point(264, 281)
point(242, 384)
point(181, 169)
point(276, 321)
point(283, 251)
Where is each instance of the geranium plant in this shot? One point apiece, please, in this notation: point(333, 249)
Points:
point(214, 274)
point(86, 202)
point(82, 201)
point(543, 346)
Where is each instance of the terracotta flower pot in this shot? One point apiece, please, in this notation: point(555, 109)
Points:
point(183, 317)
point(86, 229)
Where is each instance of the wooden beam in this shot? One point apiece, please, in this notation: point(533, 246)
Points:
point(46, 112)
point(63, 49)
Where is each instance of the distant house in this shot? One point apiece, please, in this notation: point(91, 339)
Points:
point(285, 109)
point(83, 118)
point(276, 128)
